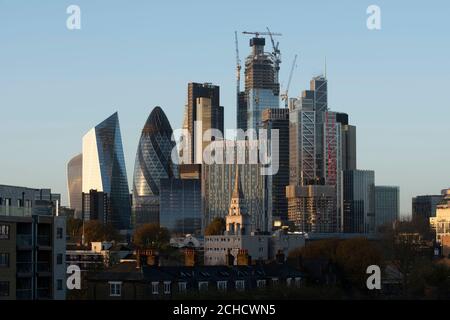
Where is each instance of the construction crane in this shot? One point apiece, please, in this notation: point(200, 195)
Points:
point(285, 95)
point(264, 33)
point(238, 63)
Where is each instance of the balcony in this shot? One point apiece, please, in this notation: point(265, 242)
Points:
point(23, 294)
point(44, 267)
point(44, 293)
point(24, 269)
point(24, 241)
point(44, 241)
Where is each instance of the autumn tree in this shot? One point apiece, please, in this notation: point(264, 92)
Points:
point(216, 227)
point(94, 230)
point(151, 236)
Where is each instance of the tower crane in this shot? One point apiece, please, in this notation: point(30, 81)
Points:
point(285, 96)
point(238, 64)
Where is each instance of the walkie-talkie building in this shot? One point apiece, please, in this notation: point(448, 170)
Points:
point(104, 170)
point(153, 163)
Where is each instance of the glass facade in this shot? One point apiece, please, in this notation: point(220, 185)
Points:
point(74, 183)
point(387, 205)
point(153, 163)
point(181, 206)
point(104, 170)
point(359, 201)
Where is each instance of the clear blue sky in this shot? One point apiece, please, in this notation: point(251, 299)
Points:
point(129, 56)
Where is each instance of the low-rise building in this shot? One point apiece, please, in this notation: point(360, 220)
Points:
point(32, 245)
point(441, 223)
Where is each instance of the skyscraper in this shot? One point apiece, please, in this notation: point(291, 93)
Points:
point(359, 201)
point(262, 89)
point(348, 133)
point(424, 207)
point(387, 205)
point(104, 170)
point(153, 163)
point(74, 183)
point(207, 110)
point(278, 119)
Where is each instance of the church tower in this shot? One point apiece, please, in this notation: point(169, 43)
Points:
point(238, 220)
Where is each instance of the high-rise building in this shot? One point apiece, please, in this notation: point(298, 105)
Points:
point(153, 163)
point(32, 245)
point(217, 188)
point(207, 111)
point(74, 183)
point(262, 89)
point(359, 201)
point(387, 205)
point(312, 208)
point(348, 133)
point(241, 113)
point(104, 170)
point(424, 207)
point(278, 119)
point(95, 206)
point(181, 206)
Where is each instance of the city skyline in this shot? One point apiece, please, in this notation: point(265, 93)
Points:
point(66, 103)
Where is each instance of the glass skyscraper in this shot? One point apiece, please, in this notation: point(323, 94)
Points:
point(387, 205)
point(74, 183)
point(153, 163)
point(104, 170)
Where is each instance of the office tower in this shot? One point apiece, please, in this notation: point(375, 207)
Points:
point(104, 170)
point(278, 119)
point(32, 245)
point(208, 118)
point(348, 133)
point(74, 183)
point(359, 201)
point(441, 222)
point(262, 89)
point(424, 207)
point(153, 163)
point(387, 205)
point(319, 89)
point(241, 113)
point(181, 206)
point(217, 188)
point(302, 140)
point(95, 206)
point(312, 208)
point(210, 105)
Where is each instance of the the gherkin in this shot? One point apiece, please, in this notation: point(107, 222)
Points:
point(153, 163)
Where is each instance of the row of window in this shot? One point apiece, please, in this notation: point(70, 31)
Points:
point(115, 287)
point(20, 203)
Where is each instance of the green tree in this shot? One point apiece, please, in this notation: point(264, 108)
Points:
point(216, 227)
point(95, 230)
point(151, 236)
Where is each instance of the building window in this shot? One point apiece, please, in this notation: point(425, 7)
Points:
point(115, 289)
point(288, 282)
point(240, 285)
point(298, 282)
point(182, 287)
point(222, 285)
point(167, 287)
point(4, 260)
point(261, 283)
point(4, 232)
point(59, 233)
point(155, 287)
point(203, 286)
point(59, 258)
point(59, 284)
point(274, 281)
point(4, 288)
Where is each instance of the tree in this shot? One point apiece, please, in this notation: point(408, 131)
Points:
point(74, 227)
point(95, 230)
point(216, 227)
point(151, 236)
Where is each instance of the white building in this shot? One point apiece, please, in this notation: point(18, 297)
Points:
point(441, 223)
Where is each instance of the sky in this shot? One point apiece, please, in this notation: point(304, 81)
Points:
point(129, 56)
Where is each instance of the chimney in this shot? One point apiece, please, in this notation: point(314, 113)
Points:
point(189, 257)
point(243, 259)
point(229, 258)
point(146, 258)
point(280, 257)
